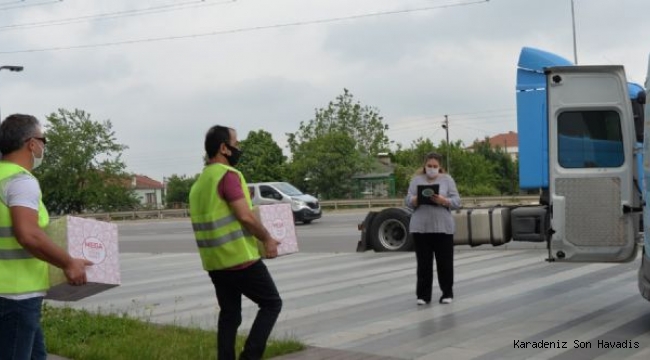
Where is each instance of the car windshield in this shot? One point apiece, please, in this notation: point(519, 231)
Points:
point(288, 189)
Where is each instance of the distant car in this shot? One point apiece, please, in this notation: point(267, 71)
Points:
point(304, 206)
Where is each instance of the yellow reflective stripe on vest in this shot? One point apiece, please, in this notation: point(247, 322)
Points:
point(214, 225)
point(6, 231)
point(15, 254)
point(235, 235)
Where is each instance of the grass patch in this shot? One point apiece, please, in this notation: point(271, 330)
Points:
point(82, 335)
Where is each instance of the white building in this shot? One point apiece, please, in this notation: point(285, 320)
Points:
point(149, 191)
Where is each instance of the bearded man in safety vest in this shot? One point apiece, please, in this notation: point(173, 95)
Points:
point(25, 249)
point(226, 232)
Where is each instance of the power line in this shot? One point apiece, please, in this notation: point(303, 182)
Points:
point(4, 3)
point(116, 14)
point(3, 8)
point(246, 29)
point(419, 122)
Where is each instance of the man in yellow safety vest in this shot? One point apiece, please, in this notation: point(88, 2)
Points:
point(25, 249)
point(226, 232)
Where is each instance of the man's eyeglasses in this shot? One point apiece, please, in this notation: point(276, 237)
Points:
point(42, 139)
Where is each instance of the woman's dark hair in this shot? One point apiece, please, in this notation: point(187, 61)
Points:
point(216, 136)
point(432, 155)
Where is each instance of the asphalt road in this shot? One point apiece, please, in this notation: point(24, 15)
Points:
point(333, 233)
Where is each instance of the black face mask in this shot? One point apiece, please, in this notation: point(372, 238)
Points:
point(234, 156)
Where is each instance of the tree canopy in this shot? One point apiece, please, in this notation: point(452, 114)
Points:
point(408, 160)
point(262, 159)
point(342, 140)
point(505, 168)
point(362, 123)
point(82, 169)
point(177, 190)
point(325, 165)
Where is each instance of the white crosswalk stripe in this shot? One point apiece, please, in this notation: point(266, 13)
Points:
point(365, 302)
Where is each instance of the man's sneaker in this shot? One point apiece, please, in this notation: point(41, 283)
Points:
point(446, 300)
point(421, 302)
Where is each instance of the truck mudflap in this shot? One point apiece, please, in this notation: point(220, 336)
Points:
point(644, 276)
point(481, 226)
point(363, 243)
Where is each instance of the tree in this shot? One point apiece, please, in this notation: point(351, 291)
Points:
point(362, 123)
point(363, 136)
point(325, 165)
point(262, 159)
point(83, 170)
point(505, 167)
point(407, 161)
point(474, 174)
point(178, 189)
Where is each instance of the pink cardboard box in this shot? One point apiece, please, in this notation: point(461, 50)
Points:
point(86, 239)
point(278, 220)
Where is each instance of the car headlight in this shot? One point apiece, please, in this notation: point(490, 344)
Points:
point(297, 204)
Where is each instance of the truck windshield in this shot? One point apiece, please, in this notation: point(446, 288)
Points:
point(288, 189)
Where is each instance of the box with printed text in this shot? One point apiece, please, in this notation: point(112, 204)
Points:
point(278, 221)
point(85, 239)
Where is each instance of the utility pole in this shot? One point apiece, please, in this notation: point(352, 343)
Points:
point(573, 22)
point(445, 126)
point(11, 68)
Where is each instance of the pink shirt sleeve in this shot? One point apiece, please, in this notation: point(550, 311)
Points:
point(230, 188)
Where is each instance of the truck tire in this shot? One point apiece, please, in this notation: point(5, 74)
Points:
point(389, 231)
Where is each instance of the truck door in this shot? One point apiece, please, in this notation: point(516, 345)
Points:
point(644, 270)
point(591, 164)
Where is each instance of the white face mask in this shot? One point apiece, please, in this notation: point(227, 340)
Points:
point(432, 172)
point(38, 160)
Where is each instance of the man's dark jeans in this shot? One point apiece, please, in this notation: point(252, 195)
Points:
point(21, 337)
point(255, 283)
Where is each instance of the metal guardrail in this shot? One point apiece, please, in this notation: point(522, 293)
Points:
point(326, 204)
point(139, 214)
point(393, 202)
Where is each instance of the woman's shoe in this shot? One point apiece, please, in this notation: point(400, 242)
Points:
point(446, 300)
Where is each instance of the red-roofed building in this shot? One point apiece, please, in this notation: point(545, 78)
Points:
point(149, 191)
point(509, 142)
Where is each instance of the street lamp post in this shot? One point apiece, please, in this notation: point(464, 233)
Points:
point(164, 192)
point(445, 126)
point(573, 23)
point(13, 68)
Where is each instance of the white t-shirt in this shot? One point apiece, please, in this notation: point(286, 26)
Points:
point(21, 190)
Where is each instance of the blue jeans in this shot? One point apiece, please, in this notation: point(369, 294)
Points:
point(255, 283)
point(21, 336)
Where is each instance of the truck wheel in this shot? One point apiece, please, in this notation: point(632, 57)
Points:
point(389, 231)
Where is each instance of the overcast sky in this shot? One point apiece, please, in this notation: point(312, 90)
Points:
point(244, 70)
